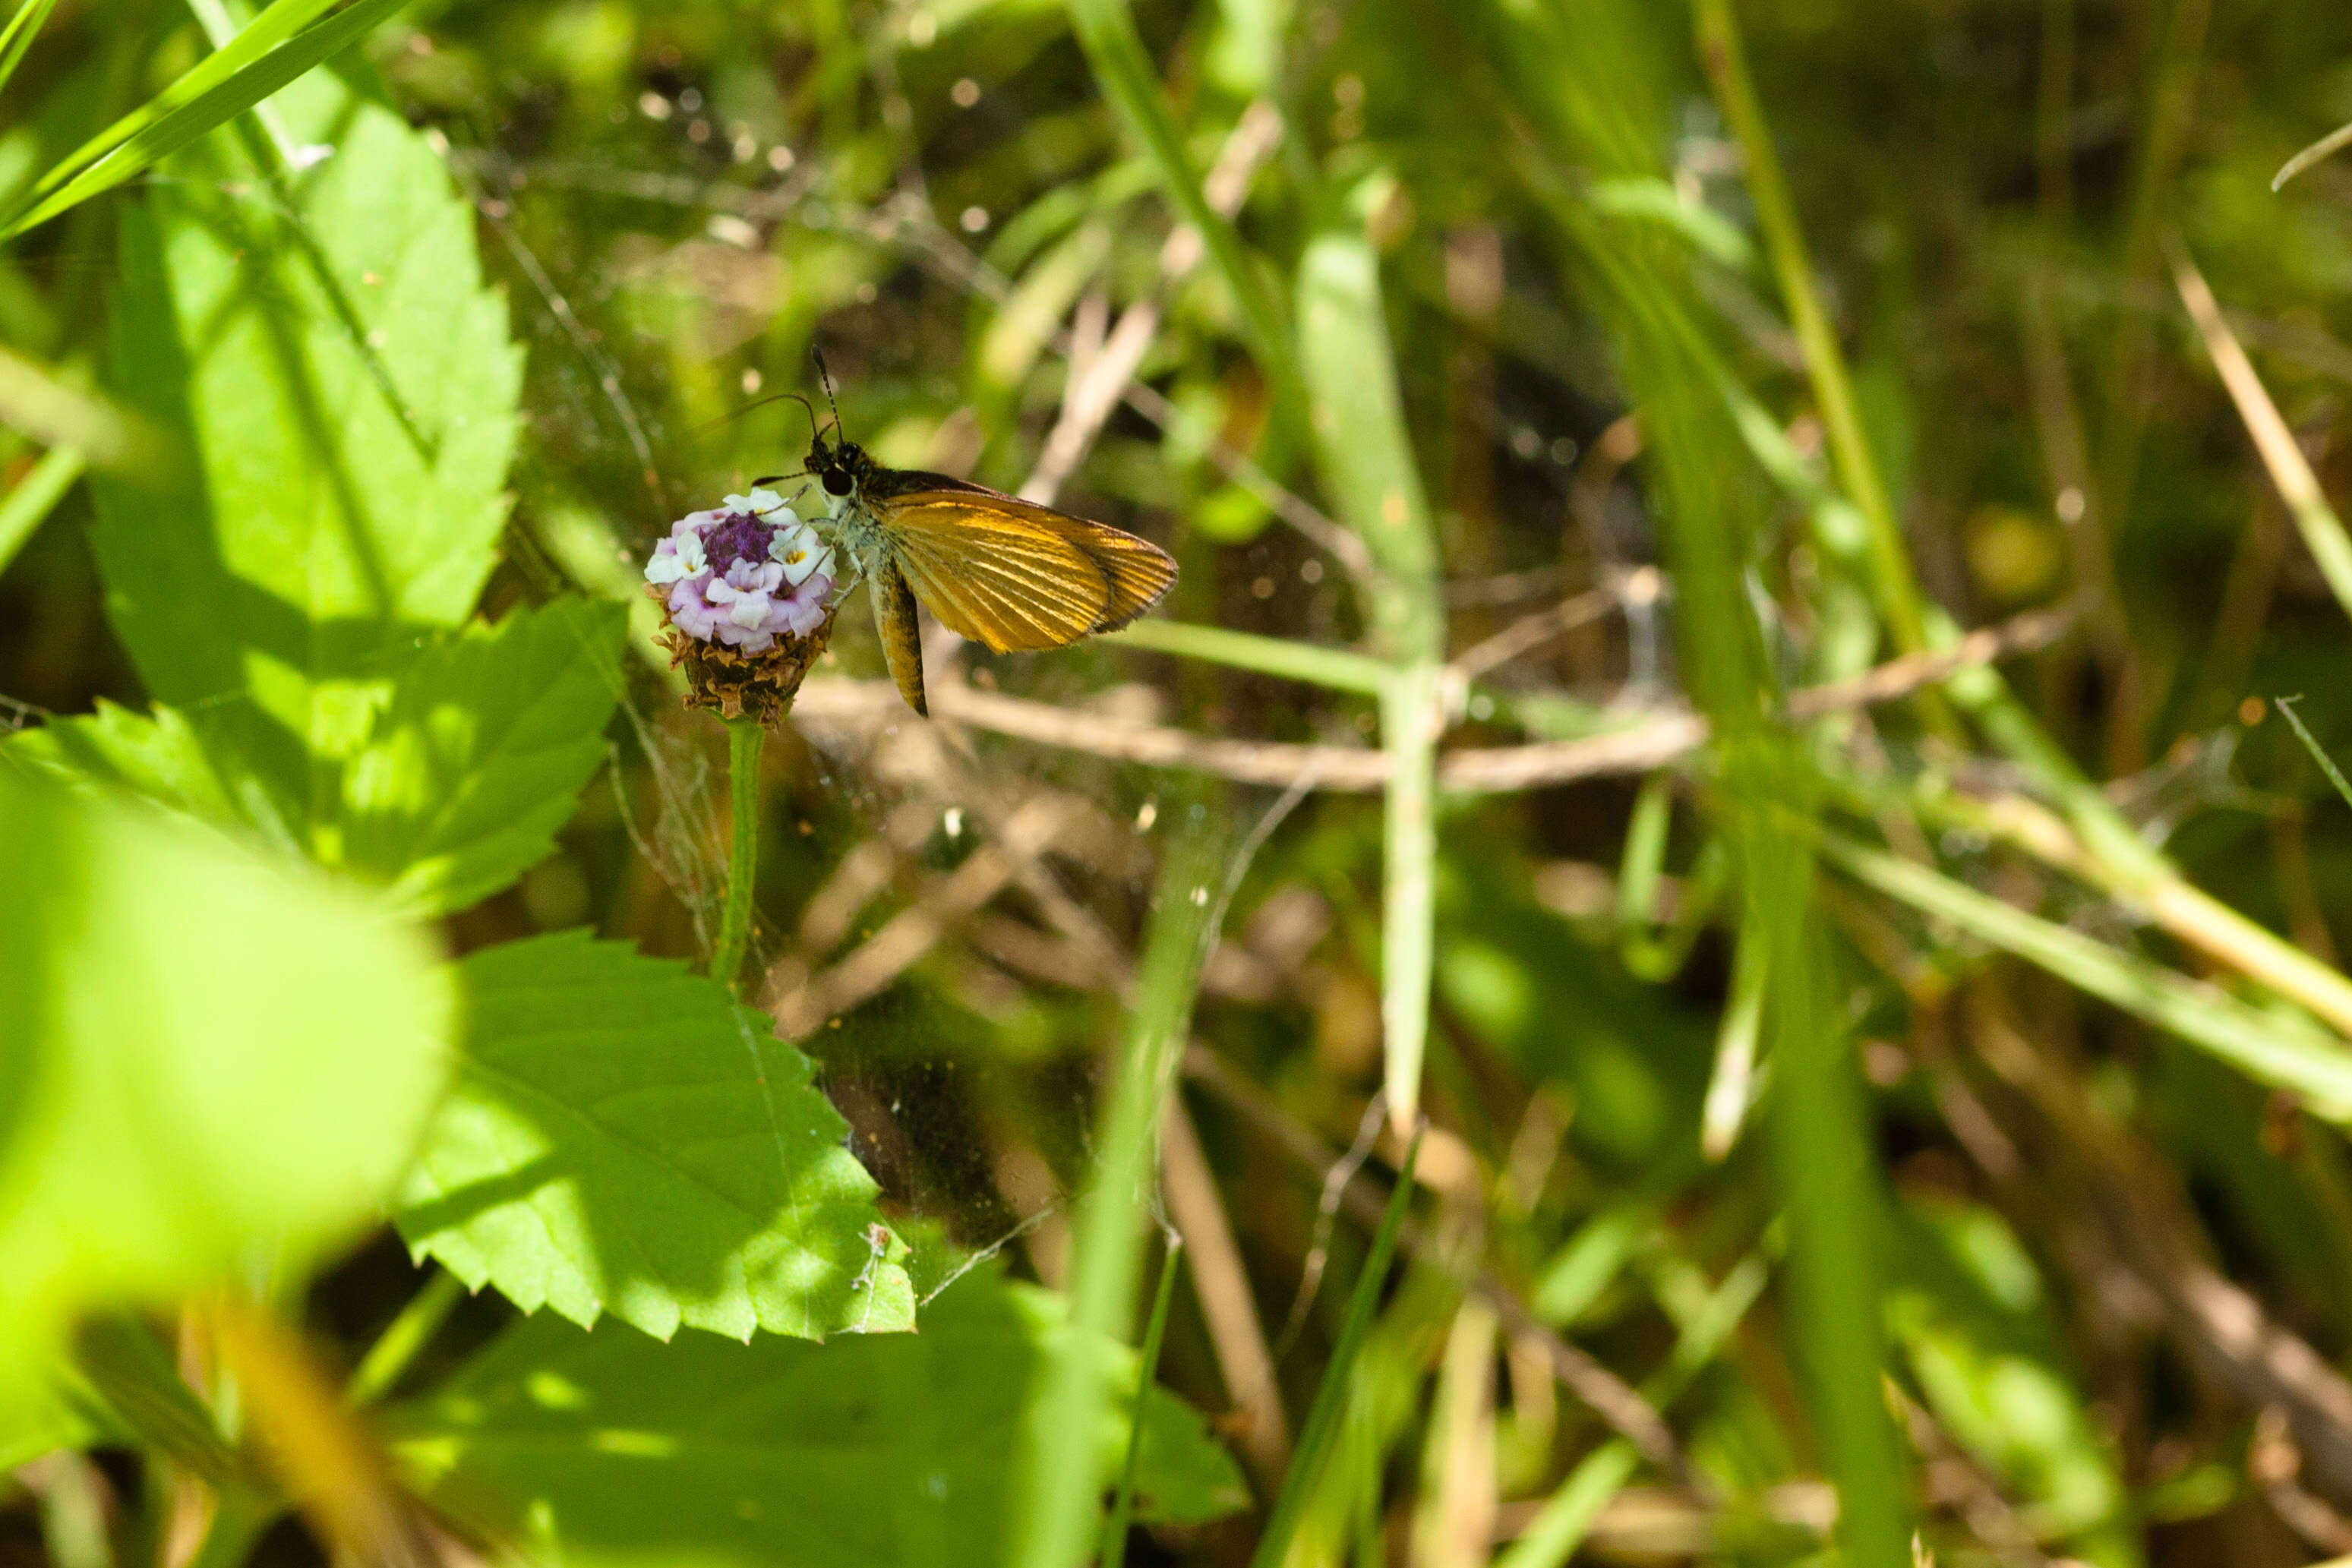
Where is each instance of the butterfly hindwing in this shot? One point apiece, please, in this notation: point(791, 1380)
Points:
point(1015, 576)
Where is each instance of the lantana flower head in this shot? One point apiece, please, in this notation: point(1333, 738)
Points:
point(747, 589)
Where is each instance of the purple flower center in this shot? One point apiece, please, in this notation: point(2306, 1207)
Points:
point(740, 537)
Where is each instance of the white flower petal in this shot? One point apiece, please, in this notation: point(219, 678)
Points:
point(749, 610)
point(665, 567)
point(802, 554)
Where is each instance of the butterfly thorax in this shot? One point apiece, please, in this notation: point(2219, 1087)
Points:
point(847, 477)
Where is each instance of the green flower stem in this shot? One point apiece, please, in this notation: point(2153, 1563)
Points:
point(744, 737)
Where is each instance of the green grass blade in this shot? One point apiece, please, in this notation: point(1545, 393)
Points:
point(2285, 707)
point(125, 1363)
point(1106, 32)
point(280, 22)
point(2278, 1050)
point(1335, 668)
point(395, 1348)
point(1411, 719)
point(1365, 452)
point(160, 134)
point(1552, 1537)
point(1731, 1089)
point(1558, 1529)
point(1896, 587)
point(1367, 462)
point(1333, 1396)
point(18, 36)
point(1818, 1132)
point(1059, 1492)
point(1122, 1508)
point(36, 494)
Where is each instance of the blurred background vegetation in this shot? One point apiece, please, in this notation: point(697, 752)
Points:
point(1588, 368)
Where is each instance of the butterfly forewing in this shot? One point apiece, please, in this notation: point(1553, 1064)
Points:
point(1015, 576)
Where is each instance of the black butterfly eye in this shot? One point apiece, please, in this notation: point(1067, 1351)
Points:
point(836, 483)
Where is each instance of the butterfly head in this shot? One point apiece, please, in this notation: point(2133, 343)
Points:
point(842, 466)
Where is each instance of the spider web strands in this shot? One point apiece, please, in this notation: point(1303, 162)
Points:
point(1653, 741)
point(906, 222)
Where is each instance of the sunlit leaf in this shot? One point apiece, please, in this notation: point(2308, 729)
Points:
point(885, 1452)
point(157, 756)
point(349, 387)
point(623, 1139)
point(481, 754)
point(201, 1054)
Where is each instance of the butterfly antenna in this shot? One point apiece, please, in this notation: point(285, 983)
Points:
point(827, 377)
point(734, 414)
point(807, 406)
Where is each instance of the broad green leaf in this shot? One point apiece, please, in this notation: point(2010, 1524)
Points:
point(467, 776)
point(205, 1058)
point(622, 1138)
point(347, 386)
point(479, 760)
point(884, 1452)
point(255, 65)
point(157, 756)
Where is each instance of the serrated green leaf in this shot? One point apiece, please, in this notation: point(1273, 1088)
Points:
point(349, 387)
point(157, 756)
point(481, 754)
point(622, 1138)
point(892, 1452)
point(202, 1053)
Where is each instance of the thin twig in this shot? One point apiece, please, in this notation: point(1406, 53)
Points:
point(2323, 531)
point(1221, 1282)
point(1617, 1403)
point(2334, 141)
point(1099, 384)
point(1656, 741)
point(1530, 633)
point(875, 965)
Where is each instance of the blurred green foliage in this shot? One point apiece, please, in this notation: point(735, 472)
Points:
point(1989, 1171)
